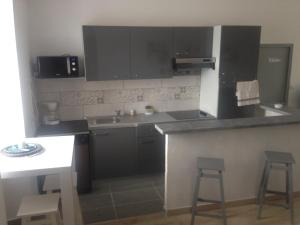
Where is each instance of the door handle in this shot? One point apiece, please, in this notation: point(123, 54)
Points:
point(147, 142)
point(100, 134)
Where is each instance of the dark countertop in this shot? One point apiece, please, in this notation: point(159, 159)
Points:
point(290, 116)
point(64, 128)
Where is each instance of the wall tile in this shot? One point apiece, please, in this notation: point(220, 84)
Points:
point(102, 85)
point(101, 109)
point(190, 93)
point(179, 81)
point(47, 85)
point(71, 112)
point(178, 105)
point(101, 98)
point(71, 98)
point(71, 84)
point(48, 96)
point(151, 83)
point(160, 94)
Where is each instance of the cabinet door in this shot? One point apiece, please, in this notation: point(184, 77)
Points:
point(82, 163)
point(151, 52)
point(239, 53)
point(114, 152)
point(106, 52)
point(193, 42)
point(151, 153)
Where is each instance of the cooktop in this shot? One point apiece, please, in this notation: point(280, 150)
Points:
point(189, 115)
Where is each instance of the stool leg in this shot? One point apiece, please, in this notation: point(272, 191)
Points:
point(287, 187)
point(261, 183)
point(222, 198)
point(290, 184)
point(53, 219)
point(24, 220)
point(195, 196)
point(263, 191)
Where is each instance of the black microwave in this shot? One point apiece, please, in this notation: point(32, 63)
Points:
point(57, 66)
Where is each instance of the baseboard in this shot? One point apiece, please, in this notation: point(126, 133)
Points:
point(228, 204)
point(14, 222)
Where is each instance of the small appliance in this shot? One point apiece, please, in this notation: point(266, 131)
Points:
point(57, 66)
point(50, 116)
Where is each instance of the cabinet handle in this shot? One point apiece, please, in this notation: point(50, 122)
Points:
point(100, 134)
point(147, 142)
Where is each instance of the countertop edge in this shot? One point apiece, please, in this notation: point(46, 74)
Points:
point(230, 124)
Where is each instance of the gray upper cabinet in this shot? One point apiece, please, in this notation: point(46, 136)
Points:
point(107, 52)
point(151, 52)
point(193, 42)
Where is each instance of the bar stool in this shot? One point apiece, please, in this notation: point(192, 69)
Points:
point(217, 166)
point(52, 184)
point(40, 209)
point(281, 161)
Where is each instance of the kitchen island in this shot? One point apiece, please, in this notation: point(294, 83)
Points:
point(241, 142)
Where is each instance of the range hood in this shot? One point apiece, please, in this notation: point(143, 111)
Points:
point(190, 65)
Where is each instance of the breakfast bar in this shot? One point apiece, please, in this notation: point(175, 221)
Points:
point(56, 158)
point(241, 142)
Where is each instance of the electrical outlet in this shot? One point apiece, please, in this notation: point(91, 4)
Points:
point(177, 96)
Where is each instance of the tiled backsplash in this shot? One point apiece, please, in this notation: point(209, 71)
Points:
point(79, 99)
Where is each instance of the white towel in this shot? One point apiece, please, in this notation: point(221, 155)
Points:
point(247, 92)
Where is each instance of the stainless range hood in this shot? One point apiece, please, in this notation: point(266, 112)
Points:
point(192, 65)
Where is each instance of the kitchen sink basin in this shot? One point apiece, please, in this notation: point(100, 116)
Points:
point(104, 120)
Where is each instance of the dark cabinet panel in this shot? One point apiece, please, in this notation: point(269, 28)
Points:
point(239, 53)
point(82, 156)
point(193, 42)
point(114, 152)
point(238, 62)
point(151, 150)
point(151, 52)
point(107, 52)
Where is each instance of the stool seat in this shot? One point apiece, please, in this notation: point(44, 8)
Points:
point(211, 164)
point(279, 157)
point(287, 160)
point(38, 205)
point(216, 167)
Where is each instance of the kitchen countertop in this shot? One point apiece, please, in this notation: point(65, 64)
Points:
point(71, 127)
point(129, 121)
point(134, 121)
point(289, 116)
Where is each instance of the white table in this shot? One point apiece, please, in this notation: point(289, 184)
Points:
point(56, 159)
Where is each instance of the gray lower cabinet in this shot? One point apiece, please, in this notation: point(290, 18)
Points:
point(151, 149)
point(114, 152)
point(107, 52)
point(151, 52)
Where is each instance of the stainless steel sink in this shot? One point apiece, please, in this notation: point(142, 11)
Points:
point(104, 120)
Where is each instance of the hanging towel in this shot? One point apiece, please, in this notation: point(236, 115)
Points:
point(247, 92)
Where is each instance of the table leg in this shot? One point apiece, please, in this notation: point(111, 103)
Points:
point(3, 217)
point(67, 197)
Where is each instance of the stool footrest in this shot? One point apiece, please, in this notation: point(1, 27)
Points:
point(209, 201)
point(218, 216)
point(279, 167)
point(216, 176)
point(276, 192)
point(277, 205)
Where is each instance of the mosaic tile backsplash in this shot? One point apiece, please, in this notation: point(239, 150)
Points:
point(79, 99)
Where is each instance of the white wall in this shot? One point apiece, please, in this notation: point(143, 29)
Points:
point(23, 50)
point(55, 25)
point(242, 151)
point(15, 189)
